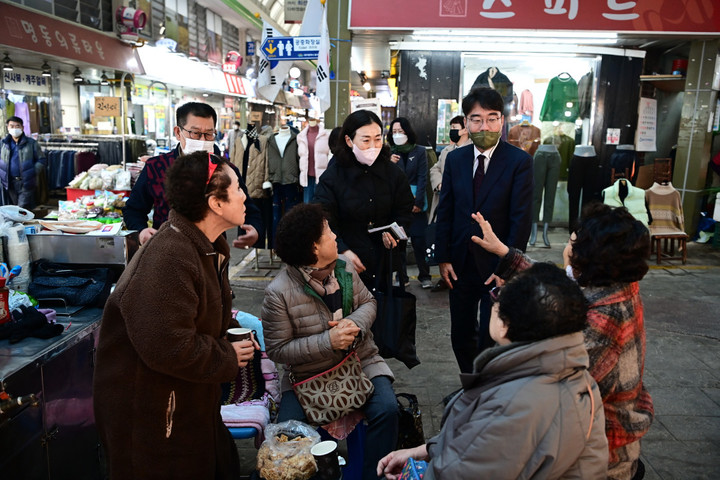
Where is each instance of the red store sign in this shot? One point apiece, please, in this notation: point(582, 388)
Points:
point(234, 84)
point(27, 30)
point(694, 16)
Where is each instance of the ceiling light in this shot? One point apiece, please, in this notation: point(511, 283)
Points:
point(484, 33)
point(104, 79)
point(294, 72)
point(205, 95)
point(77, 75)
point(46, 71)
point(7, 63)
point(367, 86)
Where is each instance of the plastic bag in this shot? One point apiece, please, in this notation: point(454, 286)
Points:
point(16, 214)
point(285, 453)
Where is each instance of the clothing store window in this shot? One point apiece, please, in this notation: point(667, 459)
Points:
point(93, 123)
point(549, 108)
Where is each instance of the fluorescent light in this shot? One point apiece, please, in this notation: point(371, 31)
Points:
point(519, 40)
point(484, 33)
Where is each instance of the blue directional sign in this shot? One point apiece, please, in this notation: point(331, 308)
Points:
point(290, 48)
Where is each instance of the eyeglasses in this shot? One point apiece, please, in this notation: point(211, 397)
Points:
point(195, 135)
point(212, 166)
point(478, 121)
point(495, 294)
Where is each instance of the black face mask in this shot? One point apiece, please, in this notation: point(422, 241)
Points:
point(455, 135)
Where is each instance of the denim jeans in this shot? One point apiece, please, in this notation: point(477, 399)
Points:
point(381, 414)
point(309, 191)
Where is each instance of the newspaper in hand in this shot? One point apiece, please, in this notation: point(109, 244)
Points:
point(394, 229)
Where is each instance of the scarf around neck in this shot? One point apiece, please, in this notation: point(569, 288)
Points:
point(407, 148)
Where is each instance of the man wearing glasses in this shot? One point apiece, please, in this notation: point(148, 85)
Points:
point(195, 131)
point(494, 178)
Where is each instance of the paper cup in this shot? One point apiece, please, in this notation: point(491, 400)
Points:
point(239, 334)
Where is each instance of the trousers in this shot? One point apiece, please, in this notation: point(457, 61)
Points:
point(468, 336)
point(546, 172)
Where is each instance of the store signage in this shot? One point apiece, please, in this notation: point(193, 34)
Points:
point(256, 116)
point(235, 84)
point(360, 103)
point(290, 48)
point(250, 49)
point(642, 15)
point(647, 125)
point(612, 137)
point(295, 10)
point(27, 81)
point(27, 30)
point(107, 106)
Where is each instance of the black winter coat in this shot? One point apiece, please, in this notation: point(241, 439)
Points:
point(358, 197)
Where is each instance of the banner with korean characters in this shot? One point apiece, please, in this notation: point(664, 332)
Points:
point(696, 16)
point(32, 31)
point(26, 81)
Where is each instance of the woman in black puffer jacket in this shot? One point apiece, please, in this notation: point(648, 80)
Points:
point(363, 189)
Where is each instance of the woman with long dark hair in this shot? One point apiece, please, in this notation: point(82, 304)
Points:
point(361, 190)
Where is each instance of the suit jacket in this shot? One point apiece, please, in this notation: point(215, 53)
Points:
point(505, 200)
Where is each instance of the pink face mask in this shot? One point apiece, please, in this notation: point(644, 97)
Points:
point(367, 156)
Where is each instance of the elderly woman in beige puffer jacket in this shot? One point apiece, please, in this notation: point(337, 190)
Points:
point(313, 312)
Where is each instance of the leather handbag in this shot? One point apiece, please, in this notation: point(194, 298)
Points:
point(333, 393)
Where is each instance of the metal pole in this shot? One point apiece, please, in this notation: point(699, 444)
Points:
point(122, 116)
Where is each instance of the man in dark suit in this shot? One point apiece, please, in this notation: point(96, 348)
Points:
point(496, 179)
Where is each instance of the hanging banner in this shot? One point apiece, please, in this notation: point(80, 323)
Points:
point(294, 10)
point(647, 126)
point(42, 34)
point(361, 103)
point(27, 81)
point(642, 15)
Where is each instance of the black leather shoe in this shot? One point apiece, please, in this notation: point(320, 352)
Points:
point(439, 286)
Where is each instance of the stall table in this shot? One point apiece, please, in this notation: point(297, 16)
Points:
point(56, 437)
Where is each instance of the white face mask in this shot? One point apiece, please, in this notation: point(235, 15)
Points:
point(367, 156)
point(198, 146)
point(236, 128)
point(15, 132)
point(399, 138)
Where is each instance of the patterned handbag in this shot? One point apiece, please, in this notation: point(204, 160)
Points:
point(333, 393)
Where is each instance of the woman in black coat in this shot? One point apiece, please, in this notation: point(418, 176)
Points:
point(412, 159)
point(361, 190)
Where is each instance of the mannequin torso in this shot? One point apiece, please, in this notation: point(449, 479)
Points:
point(282, 138)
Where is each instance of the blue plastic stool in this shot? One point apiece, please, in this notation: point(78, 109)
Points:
point(239, 433)
point(353, 468)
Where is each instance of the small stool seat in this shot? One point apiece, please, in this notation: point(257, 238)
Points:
point(239, 433)
point(663, 246)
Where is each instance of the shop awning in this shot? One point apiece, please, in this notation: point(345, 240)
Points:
point(27, 30)
point(165, 66)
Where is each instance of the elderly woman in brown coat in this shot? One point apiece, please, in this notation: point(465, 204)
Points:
point(162, 354)
point(313, 312)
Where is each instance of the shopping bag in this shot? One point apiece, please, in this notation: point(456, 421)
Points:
point(413, 469)
point(410, 427)
point(430, 245)
point(394, 327)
